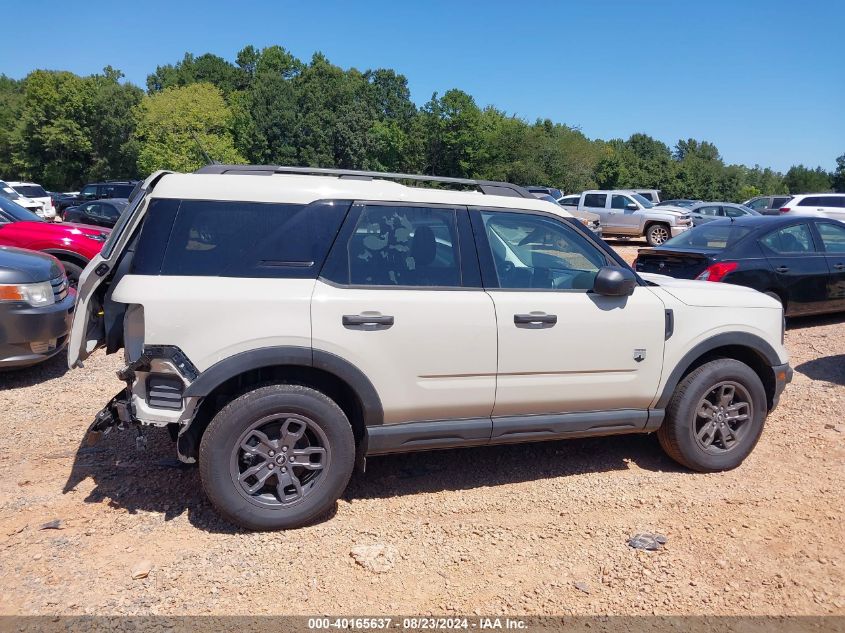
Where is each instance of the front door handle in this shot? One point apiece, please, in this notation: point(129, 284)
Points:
point(363, 320)
point(535, 318)
point(839, 266)
point(782, 269)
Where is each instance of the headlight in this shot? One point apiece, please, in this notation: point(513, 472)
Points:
point(36, 295)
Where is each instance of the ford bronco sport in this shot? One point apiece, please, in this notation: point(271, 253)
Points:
point(285, 323)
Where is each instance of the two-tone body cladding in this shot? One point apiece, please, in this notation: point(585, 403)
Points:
point(286, 322)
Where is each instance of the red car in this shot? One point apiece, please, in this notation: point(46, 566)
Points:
point(72, 244)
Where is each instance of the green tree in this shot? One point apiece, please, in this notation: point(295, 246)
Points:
point(800, 179)
point(11, 105)
point(838, 177)
point(206, 68)
point(174, 126)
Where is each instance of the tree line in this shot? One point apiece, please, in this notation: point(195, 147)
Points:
point(268, 107)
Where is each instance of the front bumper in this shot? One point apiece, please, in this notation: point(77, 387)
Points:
point(23, 326)
point(783, 376)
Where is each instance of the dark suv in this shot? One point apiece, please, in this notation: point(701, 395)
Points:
point(97, 191)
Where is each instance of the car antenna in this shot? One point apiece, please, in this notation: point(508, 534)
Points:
point(210, 160)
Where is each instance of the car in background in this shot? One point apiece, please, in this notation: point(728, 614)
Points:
point(99, 190)
point(798, 260)
point(652, 195)
point(767, 205)
point(827, 205)
point(625, 213)
point(703, 212)
point(74, 245)
point(590, 220)
point(97, 213)
point(36, 192)
point(554, 192)
point(10, 194)
point(36, 307)
point(679, 202)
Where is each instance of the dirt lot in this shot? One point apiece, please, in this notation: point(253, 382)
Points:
point(506, 530)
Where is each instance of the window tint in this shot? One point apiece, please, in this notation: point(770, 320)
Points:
point(812, 201)
point(536, 252)
point(32, 191)
point(116, 191)
point(777, 203)
point(237, 239)
point(89, 190)
point(110, 212)
point(792, 239)
point(620, 202)
point(833, 201)
point(595, 200)
point(712, 235)
point(833, 237)
point(404, 246)
point(570, 200)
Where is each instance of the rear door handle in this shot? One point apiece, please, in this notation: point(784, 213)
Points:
point(782, 269)
point(535, 318)
point(363, 320)
point(839, 266)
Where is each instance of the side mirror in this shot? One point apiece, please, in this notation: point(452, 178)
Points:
point(631, 206)
point(614, 281)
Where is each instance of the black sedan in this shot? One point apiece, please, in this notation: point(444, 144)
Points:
point(98, 212)
point(798, 260)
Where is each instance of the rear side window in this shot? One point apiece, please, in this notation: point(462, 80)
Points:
point(595, 200)
point(777, 203)
point(116, 191)
point(237, 239)
point(812, 201)
point(405, 246)
point(792, 239)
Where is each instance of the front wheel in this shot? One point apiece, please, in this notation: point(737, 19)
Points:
point(715, 416)
point(656, 234)
point(277, 457)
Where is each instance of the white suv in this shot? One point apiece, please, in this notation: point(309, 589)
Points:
point(829, 205)
point(284, 322)
point(36, 192)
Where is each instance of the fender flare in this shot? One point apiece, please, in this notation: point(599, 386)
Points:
point(294, 356)
point(736, 339)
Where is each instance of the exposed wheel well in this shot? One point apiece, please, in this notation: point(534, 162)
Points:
point(745, 355)
point(73, 258)
point(320, 380)
point(651, 223)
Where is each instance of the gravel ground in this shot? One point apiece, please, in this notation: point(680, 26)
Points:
point(524, 529)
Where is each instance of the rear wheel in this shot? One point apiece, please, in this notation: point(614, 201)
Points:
point(277, 457)
point(715, 416)
point(656, 234)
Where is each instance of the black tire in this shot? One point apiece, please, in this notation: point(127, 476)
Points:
point(686, 417)
point(657, 233)
point(73, 272)
point(225, 464)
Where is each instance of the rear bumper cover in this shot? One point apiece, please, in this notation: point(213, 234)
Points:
point(783, 376)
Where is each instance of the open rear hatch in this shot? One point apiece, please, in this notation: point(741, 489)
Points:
point(678, 263)
point(97, 320)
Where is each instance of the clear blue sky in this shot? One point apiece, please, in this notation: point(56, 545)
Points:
point(764, 81)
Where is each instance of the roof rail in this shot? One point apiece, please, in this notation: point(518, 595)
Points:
point(488, 187)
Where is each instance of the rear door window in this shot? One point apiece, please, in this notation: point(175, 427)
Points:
point(792, 240)
point(595, 200)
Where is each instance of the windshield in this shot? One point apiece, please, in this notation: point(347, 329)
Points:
point(7, 192)
point(648, 204)
point(716, 237)
point(17, 212)
point(32, 191)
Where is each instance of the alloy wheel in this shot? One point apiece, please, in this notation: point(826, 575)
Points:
point(722, 417)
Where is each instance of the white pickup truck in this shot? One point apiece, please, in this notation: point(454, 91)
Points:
point(625, 213)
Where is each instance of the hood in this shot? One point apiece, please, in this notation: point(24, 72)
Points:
point(19, 266)
point(712, 294)
point(66, 229)
point(584, 215)
point(669, 209)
